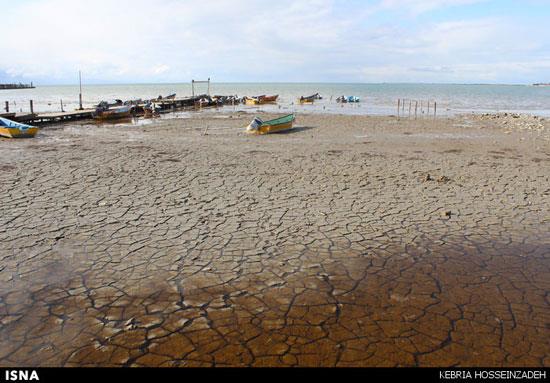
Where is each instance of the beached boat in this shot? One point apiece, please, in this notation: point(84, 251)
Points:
point(113, 113)
point(268, 99)
point(310, 99)
point(227, 100)
point(109, 104)
point(151, 110)
point(258, 126)
point(12, 129)
point(348, 99)
point(251, 101)
point(259, 100)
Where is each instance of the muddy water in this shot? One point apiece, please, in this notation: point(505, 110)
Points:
point(157, 246)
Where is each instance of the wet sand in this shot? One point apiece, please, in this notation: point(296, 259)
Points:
point(352, 241)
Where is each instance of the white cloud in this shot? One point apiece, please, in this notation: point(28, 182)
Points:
point(253, 40)
point(417, 7)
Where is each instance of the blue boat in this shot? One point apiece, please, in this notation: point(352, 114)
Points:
point(348, 99)
point(12, 129)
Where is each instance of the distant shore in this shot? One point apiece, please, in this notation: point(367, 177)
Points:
point(17, 86)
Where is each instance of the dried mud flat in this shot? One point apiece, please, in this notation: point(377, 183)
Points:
point(352, 241)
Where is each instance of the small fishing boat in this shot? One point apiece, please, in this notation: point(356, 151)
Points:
point(109, 104)
point(206, 102)
point(268, 99)
point(227, 100)
point(310, 99)
point(348, 99)
point(251, 101)
point(113, 113)
point(151, 110)
point(258, 126)
point(12, 129)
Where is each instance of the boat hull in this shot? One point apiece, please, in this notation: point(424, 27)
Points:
point(18, 133)
point(12, 129)
point(281, 124)
point(275, 128)
point(268, 99)
point(251, 102)
point(113, 116)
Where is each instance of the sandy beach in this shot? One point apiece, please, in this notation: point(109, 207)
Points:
point(350, 241)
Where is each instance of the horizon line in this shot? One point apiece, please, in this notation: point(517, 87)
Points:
point(289, 82)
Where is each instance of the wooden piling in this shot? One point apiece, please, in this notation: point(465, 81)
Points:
point(435, 110)
point(80, 94)
point(398, 107)
point(410, 106)
point(428, 113)
point(62, 106)
point(31, 106)
point(415, 110)
point(7, 107)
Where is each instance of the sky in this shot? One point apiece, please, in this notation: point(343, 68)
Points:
point(358, 41)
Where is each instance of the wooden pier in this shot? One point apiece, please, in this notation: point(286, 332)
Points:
point(50, 117)
point(164, 106)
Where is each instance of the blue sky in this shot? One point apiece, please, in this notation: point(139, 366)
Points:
point(445, 41)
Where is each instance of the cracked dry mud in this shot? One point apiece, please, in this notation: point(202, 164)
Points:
point(329, 246)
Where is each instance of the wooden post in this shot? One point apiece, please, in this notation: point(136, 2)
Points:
point(32, 107)
point(62, 106)
point(435, 110)
point(193, 88)
point(410, 106)
point(428, 109)
point(80, 94)
point(7, 107)
point(403, 107)
point(398, 107)
point(415, 109)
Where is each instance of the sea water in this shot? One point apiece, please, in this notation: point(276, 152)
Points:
point(376, 99)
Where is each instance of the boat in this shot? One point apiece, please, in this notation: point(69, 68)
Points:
point(268, 99)
point(348, 99)
point(113, 113)
point(227, 100)
point(281, 124)
point(306, 100)
point(109, 104)
point(169, 97)
point(251, 101)
point(151, 110)
point(310, 99)
point(205, 102)
point(12, 129)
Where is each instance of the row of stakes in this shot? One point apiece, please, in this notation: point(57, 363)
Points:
point(414, 107)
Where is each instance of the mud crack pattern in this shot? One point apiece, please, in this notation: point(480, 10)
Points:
point(330, 246)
